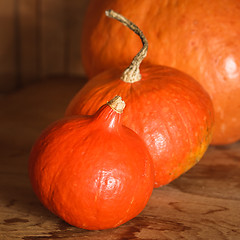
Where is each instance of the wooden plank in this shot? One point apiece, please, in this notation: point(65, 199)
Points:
point(61, 22)
point(29, 54)
point(201, 204)
point(75, 11)
point(41, 38)
point(53, 37)
point(8, 58)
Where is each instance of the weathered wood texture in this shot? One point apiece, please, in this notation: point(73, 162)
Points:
point(39, 38)
point(202, 204)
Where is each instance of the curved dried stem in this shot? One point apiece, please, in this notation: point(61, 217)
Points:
point(132, 73)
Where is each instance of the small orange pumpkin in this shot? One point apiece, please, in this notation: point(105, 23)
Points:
point(174, 115)
point(200, 38)
point(92, 171)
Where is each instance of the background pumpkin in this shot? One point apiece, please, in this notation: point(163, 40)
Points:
point(167, 108)
point(91, 171)
point(198, 37)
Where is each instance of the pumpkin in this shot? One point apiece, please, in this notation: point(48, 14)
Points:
point(168, 109)
point(200, 38)
point(92, 171)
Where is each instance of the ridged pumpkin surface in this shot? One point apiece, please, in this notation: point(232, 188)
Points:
point(199, 37)
point(170, 111)
point(91, 171)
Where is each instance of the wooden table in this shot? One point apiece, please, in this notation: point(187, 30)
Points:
point(204, 203)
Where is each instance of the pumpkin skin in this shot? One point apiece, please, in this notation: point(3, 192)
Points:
point(200, 38)
point(168, 109)
point(92, 171)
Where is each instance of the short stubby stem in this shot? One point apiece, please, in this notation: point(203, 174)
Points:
point(110, 114)
point(117, 104)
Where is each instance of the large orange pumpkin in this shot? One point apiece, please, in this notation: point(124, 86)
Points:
point(199, 37)
point(167, 108)
point(92, 171)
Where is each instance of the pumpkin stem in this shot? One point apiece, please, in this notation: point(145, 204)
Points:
point(117, 104)
point(132, 73)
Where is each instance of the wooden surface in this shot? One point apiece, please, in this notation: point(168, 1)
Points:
point(204, 203)
point(39, 38)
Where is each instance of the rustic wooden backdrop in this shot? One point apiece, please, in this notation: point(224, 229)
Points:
point(39, 39)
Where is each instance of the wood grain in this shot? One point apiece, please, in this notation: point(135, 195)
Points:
point(28, 43)
point(8, 49)
point(201, 204)
point(39, 39)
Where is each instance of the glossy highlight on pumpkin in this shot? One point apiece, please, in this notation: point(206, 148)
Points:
point(200, 38)
point(92, 171)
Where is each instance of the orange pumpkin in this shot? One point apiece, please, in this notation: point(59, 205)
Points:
point(92, 171)
point(198, 37)
point(174, 115)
